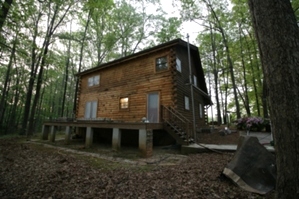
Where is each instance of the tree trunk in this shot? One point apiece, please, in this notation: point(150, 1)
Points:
point(4, 12)
point(265, 100)
point(258, 77)
point(7, 78)
point(229, 60)
point(215, 73)
point(67, 65)
point(277, 34)
point(12, 120)
point(32, 77)
point(80, 64)
point(246, 98)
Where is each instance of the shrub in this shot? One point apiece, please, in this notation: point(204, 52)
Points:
point(250, 123)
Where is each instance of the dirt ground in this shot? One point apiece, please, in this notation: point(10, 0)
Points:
point(39, 170)
point(216, 137)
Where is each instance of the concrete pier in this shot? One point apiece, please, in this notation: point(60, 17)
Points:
point(45, 132)
point(52, 134)
point(146, 142)
point(116, 139)
point(67, 135)
point(89, 137)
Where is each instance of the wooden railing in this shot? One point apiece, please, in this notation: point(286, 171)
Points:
point(177, 121)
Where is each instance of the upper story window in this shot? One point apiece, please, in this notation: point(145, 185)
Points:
point(200, 111)
point(161, 64)
point(124, 103)
point(178, 65)
point(187, 106)
point(93, 81)
point(195, 80)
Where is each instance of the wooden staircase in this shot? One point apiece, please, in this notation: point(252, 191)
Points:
point(178, 126)
point(206, 116)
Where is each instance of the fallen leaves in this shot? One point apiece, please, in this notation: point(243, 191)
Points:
point(30, 172)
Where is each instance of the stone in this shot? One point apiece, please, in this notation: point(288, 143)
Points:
point(252, 167)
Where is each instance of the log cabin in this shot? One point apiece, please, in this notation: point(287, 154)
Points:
point(157, 91)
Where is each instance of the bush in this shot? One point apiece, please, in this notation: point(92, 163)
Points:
point(250, 123)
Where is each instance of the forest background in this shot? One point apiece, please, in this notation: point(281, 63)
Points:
point(44, 43)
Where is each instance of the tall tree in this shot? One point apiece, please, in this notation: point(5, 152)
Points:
point(4, 12)
point(170, 29)
point(277, 34)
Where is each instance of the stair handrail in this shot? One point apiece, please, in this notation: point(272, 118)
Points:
point(178, 113)
point(180, 120)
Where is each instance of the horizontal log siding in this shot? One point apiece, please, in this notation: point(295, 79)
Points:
point(183, 90)
point(133, 79)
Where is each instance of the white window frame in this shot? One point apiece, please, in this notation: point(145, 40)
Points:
point(195, 80)
point(94, 80)
point(200, 111)
point(178, 65)
point(187, 103)
point(91, 109)
point(124, 104)
point(161, 63)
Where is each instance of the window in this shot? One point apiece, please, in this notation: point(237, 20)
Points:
point(95, 80)
point(124, 103)
point(91, 109)
point(195, 80)
point(200, 111)
point(187, 103)
point(161, 64)
point(178, 65)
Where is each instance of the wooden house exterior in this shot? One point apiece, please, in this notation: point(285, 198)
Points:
point(150, 87)
point(135, 87)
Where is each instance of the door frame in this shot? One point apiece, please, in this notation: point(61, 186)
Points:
point(158, 107)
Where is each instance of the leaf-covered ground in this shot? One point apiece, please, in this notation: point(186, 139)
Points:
point(30, 170)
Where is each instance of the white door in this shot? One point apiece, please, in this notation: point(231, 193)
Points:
point(91, 110)
point(153, 107)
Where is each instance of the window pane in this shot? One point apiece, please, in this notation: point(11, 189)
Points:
point(96, 80)
point(94, 108)
point(200, 110)
point(187, 103)
point(124, 102)
point(178, 64)
point(161, 64)
point(87, 110)
point(90, 81)
point(195, 80)
point(153, 107)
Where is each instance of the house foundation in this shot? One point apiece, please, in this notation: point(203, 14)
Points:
point(116, 139)
point(67, 135)
point(52, 134)
point(145, 133)
point(146, 142)
point(45, 132)
point(89, 137)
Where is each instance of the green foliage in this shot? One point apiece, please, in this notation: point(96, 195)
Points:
point(170, 29)
point(119, 28)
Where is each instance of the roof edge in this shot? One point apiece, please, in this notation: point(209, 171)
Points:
point(138, 54)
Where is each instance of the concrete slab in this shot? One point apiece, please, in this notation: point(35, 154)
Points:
point(197, 148)
point(264, 139)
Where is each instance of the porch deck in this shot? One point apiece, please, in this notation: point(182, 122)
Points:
point(104, 124)
point(145, 131)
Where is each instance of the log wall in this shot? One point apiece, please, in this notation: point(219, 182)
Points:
point(133, 79)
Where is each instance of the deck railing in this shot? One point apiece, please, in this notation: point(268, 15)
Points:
point(177, 121)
